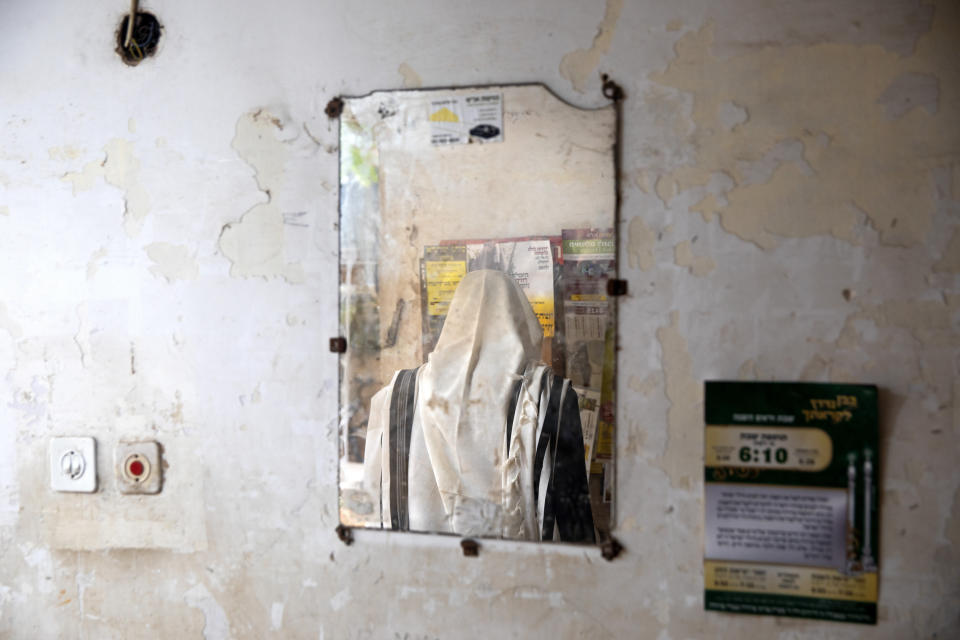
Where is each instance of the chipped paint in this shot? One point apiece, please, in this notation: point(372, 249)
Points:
point(255, 243)
point(8, 324)
point(682, 454)
point(577, 66)
point(950, 262)
point(826, 192)
point(640, 245)
point(67, 152)
point(697, 265)
point(95, 261)
point(216, 626)
point(121, 169)
point(341, 599)
point(172, 262)
point(276, 616)
point(411, 79)
point(647, 386)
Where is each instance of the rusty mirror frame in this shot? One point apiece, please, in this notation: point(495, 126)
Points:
point(363, 327)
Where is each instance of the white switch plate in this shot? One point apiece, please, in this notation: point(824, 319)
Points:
point(138, 467)
point(73, 464)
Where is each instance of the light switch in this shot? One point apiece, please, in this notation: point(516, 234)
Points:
point(73, 464)
point(138, 467)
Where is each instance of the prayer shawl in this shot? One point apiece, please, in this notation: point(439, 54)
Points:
point(483, 439)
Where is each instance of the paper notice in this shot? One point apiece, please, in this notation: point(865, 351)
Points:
point(476, 118)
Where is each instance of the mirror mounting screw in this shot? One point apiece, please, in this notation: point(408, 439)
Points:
point(610, 549)
point(334, 108)
point(345, 534)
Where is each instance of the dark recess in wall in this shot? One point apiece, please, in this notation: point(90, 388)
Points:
point(144, 40)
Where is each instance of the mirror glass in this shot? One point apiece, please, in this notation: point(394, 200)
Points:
point(477, 235)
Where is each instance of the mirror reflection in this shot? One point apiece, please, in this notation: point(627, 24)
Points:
point(477, 237)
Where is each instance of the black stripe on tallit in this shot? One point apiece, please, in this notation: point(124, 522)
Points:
point(514, 397)
point(401, 427)
point(569, 490)
point(548, 434)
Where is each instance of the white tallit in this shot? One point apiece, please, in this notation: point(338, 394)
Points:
point(461, 477)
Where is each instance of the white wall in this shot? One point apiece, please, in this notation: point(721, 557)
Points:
point(792, 211)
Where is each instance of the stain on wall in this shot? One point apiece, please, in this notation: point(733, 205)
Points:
point(807, 113)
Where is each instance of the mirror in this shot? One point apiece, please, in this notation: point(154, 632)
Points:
point(477, 235)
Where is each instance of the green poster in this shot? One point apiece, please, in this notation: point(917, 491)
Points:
point(791, 524)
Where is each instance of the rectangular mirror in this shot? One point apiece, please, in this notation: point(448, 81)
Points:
point(477, 235)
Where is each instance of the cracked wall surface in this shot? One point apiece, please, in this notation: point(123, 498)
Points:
point(168, 271)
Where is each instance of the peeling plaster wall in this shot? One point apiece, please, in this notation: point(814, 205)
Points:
point(168, 269)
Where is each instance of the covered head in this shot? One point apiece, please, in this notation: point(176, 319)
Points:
point(490, 311)
point(490, 337)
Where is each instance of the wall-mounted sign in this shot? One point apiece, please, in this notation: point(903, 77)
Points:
point(791, 500)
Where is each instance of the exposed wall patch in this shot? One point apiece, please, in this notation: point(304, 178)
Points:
point(171, 261)
point(697, 265)
point(950, 262)
point(577, 66)
point(121, 169)
point(790, 160)
point(93, 264)
point(909, 91)
point(685, 393)
point(411, 79)
point(640, 245)
point(255, 243)
point(8, 324)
